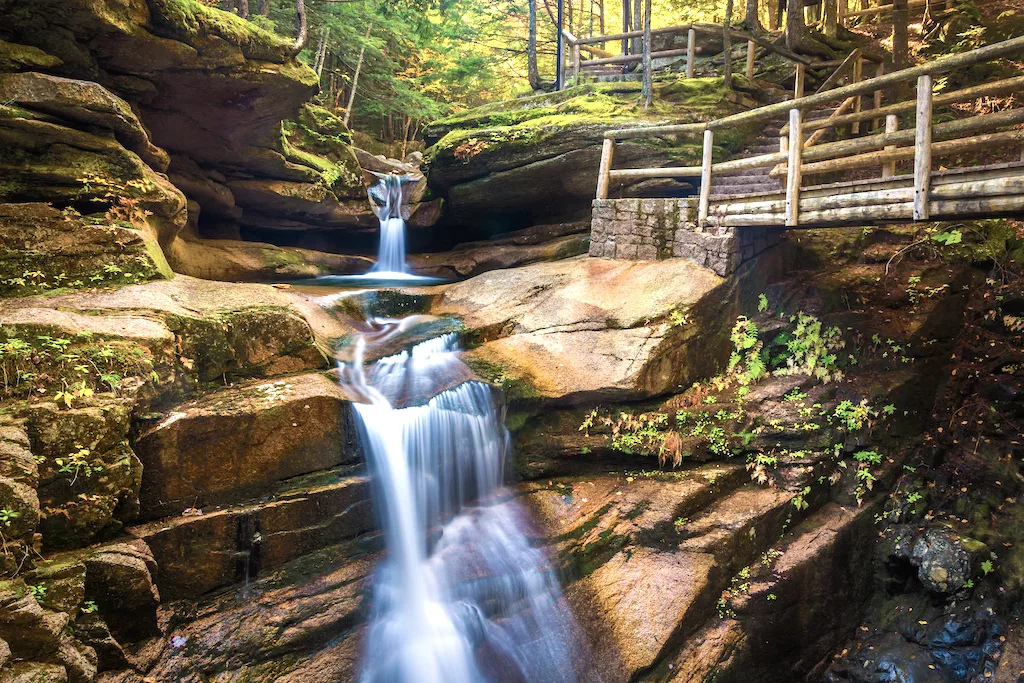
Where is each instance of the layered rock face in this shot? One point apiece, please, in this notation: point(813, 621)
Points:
point(514, 164)
point(132, 110)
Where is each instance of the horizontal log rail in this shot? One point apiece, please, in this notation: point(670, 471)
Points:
point(804, 152)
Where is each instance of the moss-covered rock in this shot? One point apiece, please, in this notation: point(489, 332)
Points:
point(515, 163)
point(49, 251)
point(15, 57)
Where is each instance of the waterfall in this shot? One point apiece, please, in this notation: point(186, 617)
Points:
point(462, 597)
point(388, 199)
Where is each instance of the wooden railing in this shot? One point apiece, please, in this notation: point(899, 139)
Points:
point(799, 157)
point(912, 5)
point(574, 64)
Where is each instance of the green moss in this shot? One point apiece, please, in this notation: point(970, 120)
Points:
point(193, 20)
point(515, 387)
point(15, 57)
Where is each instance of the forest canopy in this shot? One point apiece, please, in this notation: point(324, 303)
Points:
point(419, 60)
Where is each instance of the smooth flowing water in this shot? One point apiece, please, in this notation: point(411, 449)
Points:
point(388, 198)
point(462, 596)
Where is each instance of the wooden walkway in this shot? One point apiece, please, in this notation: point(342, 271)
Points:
point(868, 138)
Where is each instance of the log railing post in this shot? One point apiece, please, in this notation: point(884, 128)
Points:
point(691, 48)
point(892, 124)
point(798, 82)
point(575, 64)
point(923, 148)
point(705, 179)
point(751, 45)
point(604, 175)
point(794, 172)
point(858, 76)
point(843, 9)
point(879, 72)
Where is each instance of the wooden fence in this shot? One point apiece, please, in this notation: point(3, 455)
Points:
point(573, 64)
point(800, 157)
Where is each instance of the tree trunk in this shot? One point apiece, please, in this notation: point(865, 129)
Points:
point(303, 28)
point(569, 15)
point(774, 14)
point(355, 77)
point(243, 8)
point(830, 10)
point(600, 8)
point(900, 34)
point(533, 71)
point(227, 5)
point(752, 21)
point(727, 43)
point(648, 84)
point(321, 53)
point(637, 24)
point(264, 8)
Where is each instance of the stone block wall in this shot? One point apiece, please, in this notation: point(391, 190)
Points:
point(653, 229)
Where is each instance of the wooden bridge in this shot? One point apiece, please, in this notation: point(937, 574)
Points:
point(860, 179)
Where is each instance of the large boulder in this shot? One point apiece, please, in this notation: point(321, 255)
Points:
point(586, 329)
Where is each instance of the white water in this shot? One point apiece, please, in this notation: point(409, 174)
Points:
point(388, 199)
point(462, 596)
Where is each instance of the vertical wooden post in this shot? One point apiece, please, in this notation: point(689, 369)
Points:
point(892, 124)
point(784, 149)
point(691, 47)
point(603, 176)
point(751, 46)
point(844, 7)
point(705, 179)
point(798, 83)
point(794, 172)
point(923, 148)
point(575, 64)
point(858, 76)
point(879, 72)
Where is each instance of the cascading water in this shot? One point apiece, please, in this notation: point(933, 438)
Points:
point(462, 596)
point(388, 199)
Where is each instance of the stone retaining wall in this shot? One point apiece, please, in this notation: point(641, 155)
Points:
point(653, 229)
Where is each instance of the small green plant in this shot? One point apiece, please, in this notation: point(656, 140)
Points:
point(90, 607)
point(78, 464)
point(762, 303)
point(812, 349)
point(800, 499)
point(38, 592)
point(7, 516)
point(987, 567)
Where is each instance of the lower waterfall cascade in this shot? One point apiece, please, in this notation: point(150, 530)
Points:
point(462, 596)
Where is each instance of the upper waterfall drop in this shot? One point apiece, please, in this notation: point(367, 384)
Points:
point(389, 198)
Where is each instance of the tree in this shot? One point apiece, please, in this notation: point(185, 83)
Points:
point(533, 71)
point(752, 21)
point(303, 29)
point(243, 8)
point(900, 34)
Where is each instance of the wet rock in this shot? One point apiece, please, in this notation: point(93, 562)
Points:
point(201, 551)
point(930, 645)
point(942, 558)
point(238, 443)
point(299, 624)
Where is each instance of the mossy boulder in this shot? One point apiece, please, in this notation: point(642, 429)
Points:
point(515, 163)
point(49, 251)
point(15, 57)
point(89, 478)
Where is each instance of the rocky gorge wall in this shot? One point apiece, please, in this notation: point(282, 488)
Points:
point(651, 229)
